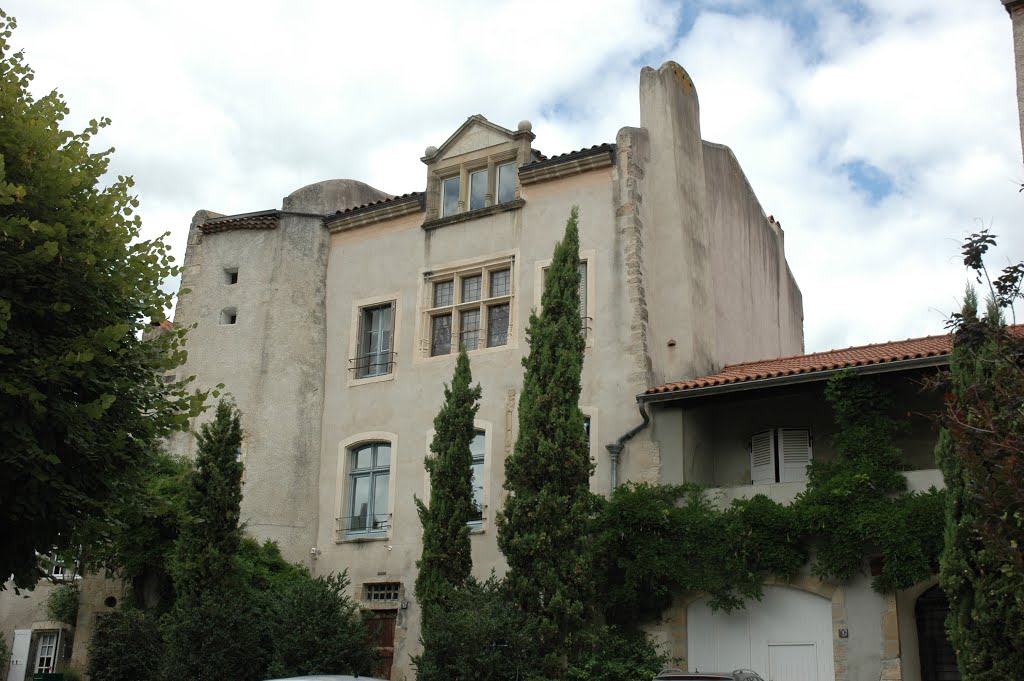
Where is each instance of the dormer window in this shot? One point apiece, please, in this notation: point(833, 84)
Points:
point(476, 169)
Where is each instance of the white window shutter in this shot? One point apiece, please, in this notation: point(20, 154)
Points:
point(762, 458)
point(795, 444)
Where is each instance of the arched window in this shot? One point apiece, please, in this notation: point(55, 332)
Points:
point(369, 472)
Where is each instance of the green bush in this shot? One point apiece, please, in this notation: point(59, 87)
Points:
point(315, 628)
point(62, 603)
point(615, 654)
point(216, 636)
point(125, 646)
point(476, 632)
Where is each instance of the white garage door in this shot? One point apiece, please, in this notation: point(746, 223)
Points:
point(787, 636)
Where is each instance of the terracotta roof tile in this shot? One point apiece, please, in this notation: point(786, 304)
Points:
point(569, 155)
point(374, 204)
point(861, 355)
point(261, 220)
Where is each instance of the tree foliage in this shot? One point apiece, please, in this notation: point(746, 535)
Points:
point(138, 548)
point(315, 628)
point(205, 551)
point(62, 603)
point(125, 646)
point(544, 526)
point(981, 451)
point(479, 633)
point(658, 541)
point(446, 561)
point(82, 399)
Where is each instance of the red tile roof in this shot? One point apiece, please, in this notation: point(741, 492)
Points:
point(379, 203)
point(861, 355)
point(570, 155)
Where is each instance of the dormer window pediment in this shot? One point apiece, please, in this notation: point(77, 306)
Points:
point(476, 168)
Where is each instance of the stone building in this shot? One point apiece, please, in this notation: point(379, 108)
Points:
point(333, 321)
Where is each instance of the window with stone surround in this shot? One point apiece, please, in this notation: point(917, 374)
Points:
point(472, 186)
point(468, 307)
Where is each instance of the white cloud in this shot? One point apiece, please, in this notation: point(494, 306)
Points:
point(230, 110)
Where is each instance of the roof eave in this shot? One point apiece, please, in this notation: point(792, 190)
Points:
point(793, 379)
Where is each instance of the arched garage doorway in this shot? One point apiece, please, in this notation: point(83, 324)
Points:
point(787, 635)
point(938, 661)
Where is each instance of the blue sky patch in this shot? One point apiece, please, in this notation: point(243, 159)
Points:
point(868, 179)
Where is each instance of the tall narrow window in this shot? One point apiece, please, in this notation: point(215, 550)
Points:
point(46, 658)
point(469, 323)
point(375, 341)
point(471, 289)
point(370, 470)
point(477, 189)
point(440, 335)
point(450, 196)
point(477, 449)
point(506, 184)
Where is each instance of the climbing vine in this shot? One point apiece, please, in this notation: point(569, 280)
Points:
point(656, 541)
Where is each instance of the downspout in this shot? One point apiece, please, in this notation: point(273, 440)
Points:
point(615, 448)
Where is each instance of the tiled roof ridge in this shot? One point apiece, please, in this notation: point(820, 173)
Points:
point(569, 155)
point(374, 204)
point(889, 352)
point(835, 350)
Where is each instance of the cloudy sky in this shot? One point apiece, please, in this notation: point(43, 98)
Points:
point(880, 132)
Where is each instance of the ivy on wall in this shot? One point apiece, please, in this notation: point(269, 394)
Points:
point(656, 541)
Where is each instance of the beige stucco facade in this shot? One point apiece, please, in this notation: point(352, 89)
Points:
point(685, 272)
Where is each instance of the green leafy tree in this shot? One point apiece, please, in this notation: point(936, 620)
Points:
point(82, 400)
point(980, 451)
point(543, 530)
point(138, 548)
point(316, 628)
point(446, 561)
point(210, 537)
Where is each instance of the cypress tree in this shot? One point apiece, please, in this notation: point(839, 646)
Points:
point(205, 551)
point(543, 530)
point(979, 453)
point(446, 561)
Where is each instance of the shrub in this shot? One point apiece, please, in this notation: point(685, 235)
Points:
point(613, 654)
point(476, 632)
point(219, 635)
point(62, 603)
point(315, 628)
point(125, 646)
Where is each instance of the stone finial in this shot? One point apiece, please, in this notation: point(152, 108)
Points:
point(525, 126)
point(430, 151)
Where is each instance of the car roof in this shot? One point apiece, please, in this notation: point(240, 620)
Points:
point(680, 675)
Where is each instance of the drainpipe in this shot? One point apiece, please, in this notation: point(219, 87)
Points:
point(615, 448)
